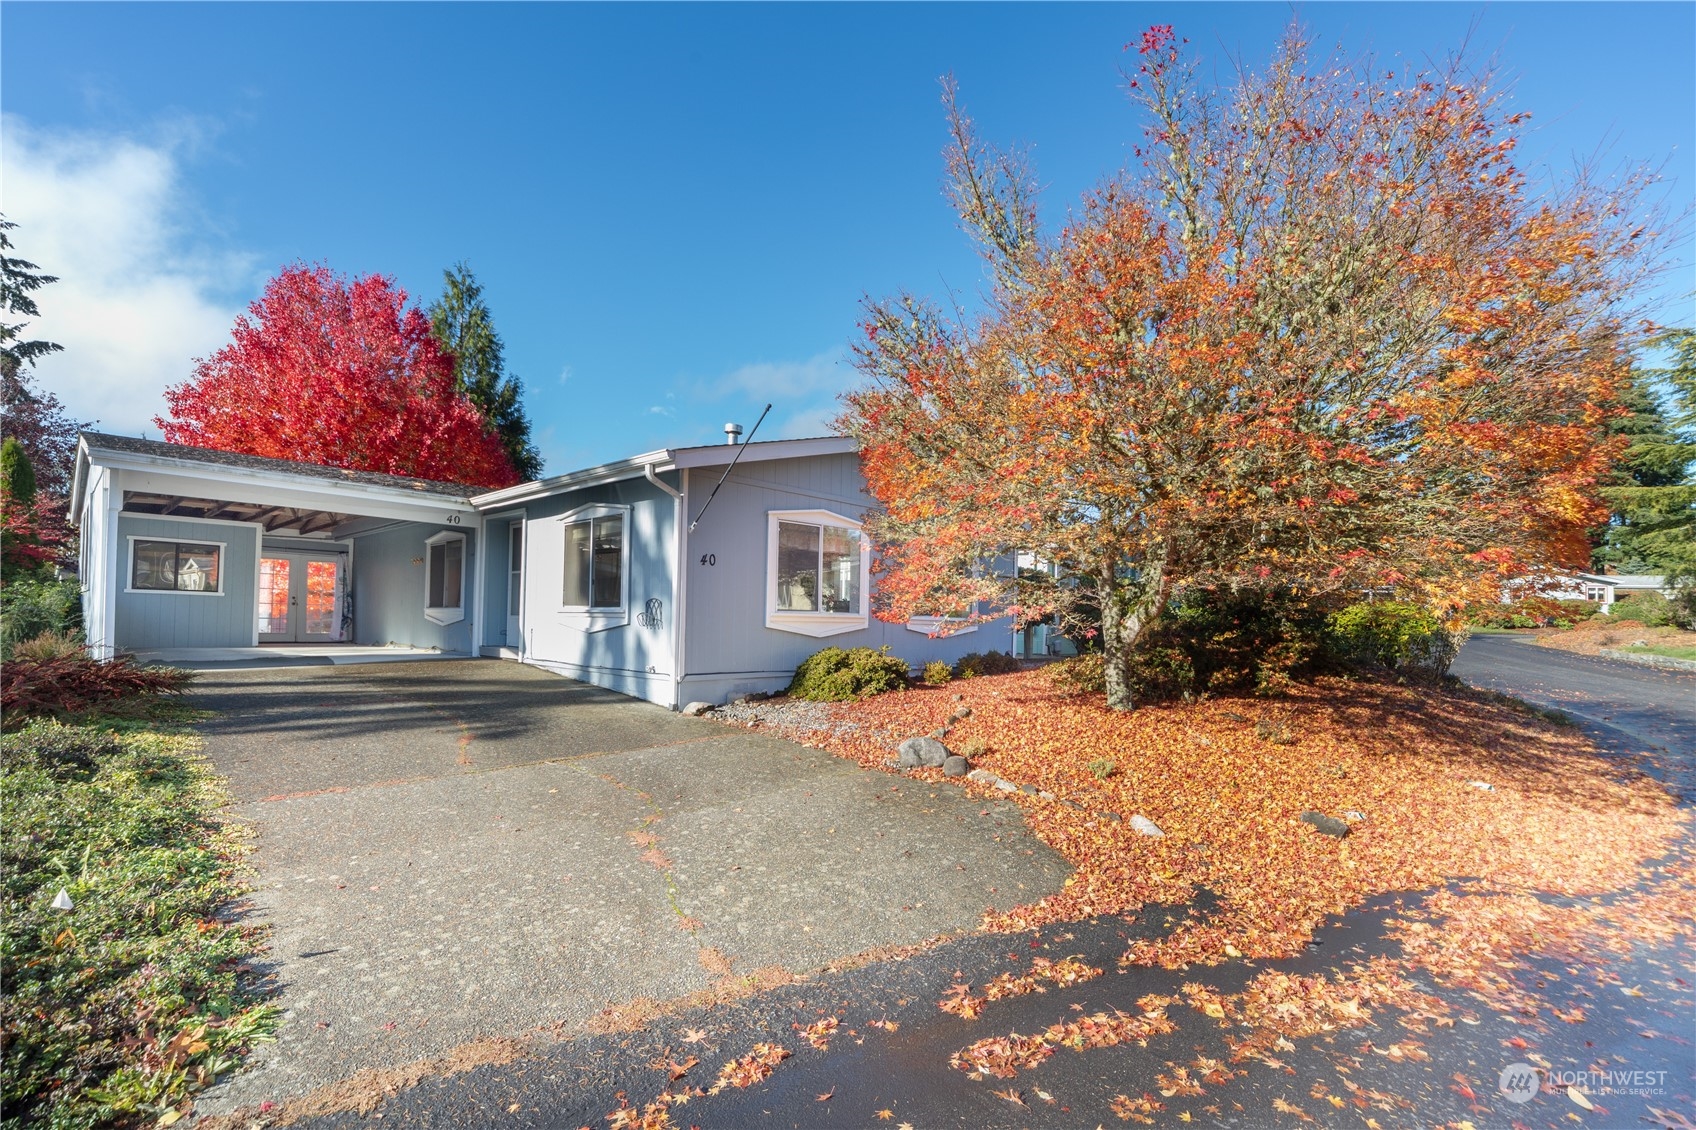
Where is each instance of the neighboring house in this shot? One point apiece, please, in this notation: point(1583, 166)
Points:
point(595, 574)
point(1601, 588)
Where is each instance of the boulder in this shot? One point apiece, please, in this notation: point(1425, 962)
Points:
point(696, 709)
point(961, 713)
point(1145, 826)
point(955, 766)
point(921, 753)
point(1329, 825)
point(982, 777)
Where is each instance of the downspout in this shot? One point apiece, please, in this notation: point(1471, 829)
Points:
point(680, 510)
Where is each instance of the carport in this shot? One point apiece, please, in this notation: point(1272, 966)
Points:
point(193, 552)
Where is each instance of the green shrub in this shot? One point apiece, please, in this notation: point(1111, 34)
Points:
point(1401, 637)
point(972, 748)
point(835, 675)
point(115, 1011)
point(1650, 609)
point(987, 663)
point(31, 608)
point(1102, 768)
point(1247, 639)
point(937, 673)
point(1081, 674)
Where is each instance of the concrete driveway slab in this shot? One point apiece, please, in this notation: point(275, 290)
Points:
point(450, 851)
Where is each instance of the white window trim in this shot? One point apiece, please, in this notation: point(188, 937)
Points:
point(129, 566)
point(445, 615)
point(582, 617)
point(931, 625)
point(816, 624)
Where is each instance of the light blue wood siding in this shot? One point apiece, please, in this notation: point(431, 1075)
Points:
point(635, 657)
point(728, 648)
point(148, 620)
point(388, 589)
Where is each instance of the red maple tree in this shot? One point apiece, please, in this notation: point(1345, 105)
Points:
point(340, 373)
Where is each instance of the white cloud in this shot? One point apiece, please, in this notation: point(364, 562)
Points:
point(803, 394)
point(565, 374)
point(139, 296)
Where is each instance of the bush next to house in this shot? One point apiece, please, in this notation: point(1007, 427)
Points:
point(1650, 609)
point(937, 673)
point(836, 675)
point(976, 663)
point(115, 1010)
point(1389, 634)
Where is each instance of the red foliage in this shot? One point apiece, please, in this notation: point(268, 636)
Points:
point(342, 374)
point(32, 535)
point(70, 684)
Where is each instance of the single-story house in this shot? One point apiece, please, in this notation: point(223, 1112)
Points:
point(611, 574)
point(1607, 588)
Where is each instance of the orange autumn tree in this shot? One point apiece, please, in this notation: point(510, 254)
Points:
point(342, 373)
point(1325, 336)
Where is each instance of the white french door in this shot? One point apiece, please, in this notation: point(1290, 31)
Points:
point(300, 598)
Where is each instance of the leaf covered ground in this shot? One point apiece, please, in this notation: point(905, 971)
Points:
point(1525, 841)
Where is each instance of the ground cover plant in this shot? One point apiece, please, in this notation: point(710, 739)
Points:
point(116, 1010)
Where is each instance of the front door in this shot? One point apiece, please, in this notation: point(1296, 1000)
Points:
point(299, 598)
point(515, 584)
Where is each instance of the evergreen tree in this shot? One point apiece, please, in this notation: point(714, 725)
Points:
point(1653, 529)
point(18, 278)
point(461, 322)
point(17, 477)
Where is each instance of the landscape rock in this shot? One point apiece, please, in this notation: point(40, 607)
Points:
point(982, 777)
point(1110, 817)
point(955, 766)
point(959, 697)
point(1234, 716)
point(1484, 785)
point(939, 733)
point(1005, 785)
point(961, 713)
point(922, 753)
point(1028, 790)
point(696, 709)
point(1145, 826)
point(1353, 815)
point(1329, 825)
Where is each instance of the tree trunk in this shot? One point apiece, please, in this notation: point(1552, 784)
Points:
point(1125, 619)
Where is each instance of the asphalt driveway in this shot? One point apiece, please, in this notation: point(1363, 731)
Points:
point(457, 850)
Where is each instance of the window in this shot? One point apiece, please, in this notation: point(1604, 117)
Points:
point(594, 563)
point(817, 573)
point(172, 566)
point(595, 573)
point(444, 578)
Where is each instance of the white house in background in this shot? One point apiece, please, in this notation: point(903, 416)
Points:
point(610, 574)
point(1604, 588)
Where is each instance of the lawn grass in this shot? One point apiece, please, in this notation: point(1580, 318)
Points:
point(115, 1011)
point(1669, 652)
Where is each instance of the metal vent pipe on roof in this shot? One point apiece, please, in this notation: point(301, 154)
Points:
point(733, 433)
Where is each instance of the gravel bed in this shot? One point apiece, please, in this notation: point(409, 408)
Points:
point(789, 713)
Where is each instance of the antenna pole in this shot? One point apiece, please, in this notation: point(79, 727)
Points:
point(740, 448)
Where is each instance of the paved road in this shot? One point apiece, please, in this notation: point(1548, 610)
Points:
point(453, 851)
point(1630, 709)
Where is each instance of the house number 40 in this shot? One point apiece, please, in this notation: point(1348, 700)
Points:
point(709, 559)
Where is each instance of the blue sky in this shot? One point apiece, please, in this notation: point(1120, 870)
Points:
point(674, 211)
